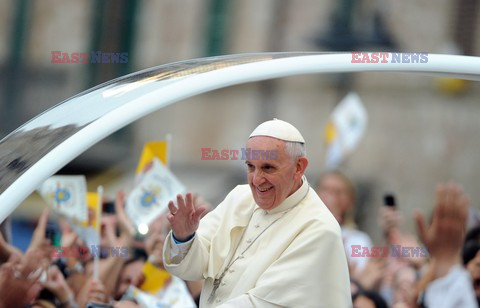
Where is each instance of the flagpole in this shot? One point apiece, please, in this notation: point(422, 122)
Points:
point(96, 260)
point(169, 138)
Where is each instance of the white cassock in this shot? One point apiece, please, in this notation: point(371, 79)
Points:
point(298, 261)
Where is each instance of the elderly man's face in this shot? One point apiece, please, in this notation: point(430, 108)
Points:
point(273, 180)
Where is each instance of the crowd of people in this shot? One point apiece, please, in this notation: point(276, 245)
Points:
point(272, 243)
point(48, 275)
point(440, 269)
point(449, 275)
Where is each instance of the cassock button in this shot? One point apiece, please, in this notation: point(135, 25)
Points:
point(257, 226)
point(223, 283)
point(218, 300)
point(249, 241)
point(231, 270)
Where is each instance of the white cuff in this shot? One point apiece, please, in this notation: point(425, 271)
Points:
point(179, 249)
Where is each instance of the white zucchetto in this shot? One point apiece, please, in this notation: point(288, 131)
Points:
point(278, 129)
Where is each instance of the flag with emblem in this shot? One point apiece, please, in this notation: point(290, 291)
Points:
point(149, 199)
point(151, 150)
point(66, 194)
point(344, 130)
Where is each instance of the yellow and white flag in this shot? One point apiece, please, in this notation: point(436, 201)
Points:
point(174, 295)
point(155, 278)
point(66, 194)
point(345, 129)
point(151, 150)
point(149, 199)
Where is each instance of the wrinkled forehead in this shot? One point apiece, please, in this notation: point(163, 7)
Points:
point(265, 143)
point(265, 149)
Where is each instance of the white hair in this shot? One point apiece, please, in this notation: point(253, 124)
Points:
point(295, 149)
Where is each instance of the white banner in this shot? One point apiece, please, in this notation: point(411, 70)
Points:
point(345, 129)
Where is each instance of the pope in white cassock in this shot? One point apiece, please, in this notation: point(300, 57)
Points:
point(272, 243)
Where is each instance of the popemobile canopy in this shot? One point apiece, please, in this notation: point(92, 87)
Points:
point(45, 144)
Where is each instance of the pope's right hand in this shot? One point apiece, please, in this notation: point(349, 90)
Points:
point(185, 219)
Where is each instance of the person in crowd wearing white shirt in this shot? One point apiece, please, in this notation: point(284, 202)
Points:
point(338, 193)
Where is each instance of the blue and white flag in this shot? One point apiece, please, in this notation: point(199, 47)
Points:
point(66, 194)
point(149, 199)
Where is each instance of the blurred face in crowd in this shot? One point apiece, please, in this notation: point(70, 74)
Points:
point(273, 179)
point(131, 274)
point(404, 286)
point(337, 195)
point(363, 302)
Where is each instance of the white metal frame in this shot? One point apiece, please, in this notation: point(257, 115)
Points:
point(153, 99)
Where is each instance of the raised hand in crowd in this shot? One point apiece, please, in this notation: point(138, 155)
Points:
point(390, 220)
point(446, 283)
point(125, 223)
point(110, 223)
point(185, 219)
point(110, 267)
point(69, 237)
point(39, 240)
point(19, 280)
point(96, 292)
point(57, 285)
point(75, 266)
point(444, 236)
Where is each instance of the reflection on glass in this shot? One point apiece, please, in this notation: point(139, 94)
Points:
point(25, 146)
